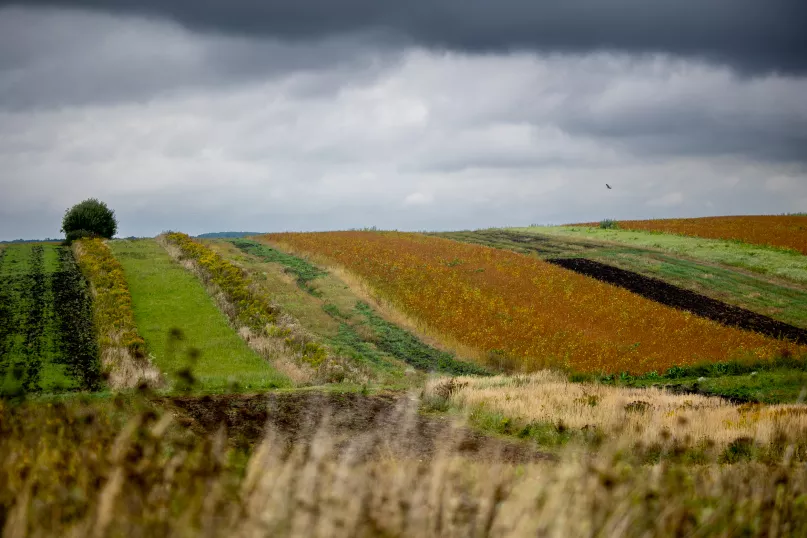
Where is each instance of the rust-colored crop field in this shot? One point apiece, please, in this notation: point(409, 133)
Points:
point(526, 311)
point(769, 230)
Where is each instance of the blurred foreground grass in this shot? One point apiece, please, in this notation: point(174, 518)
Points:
point(123, 466)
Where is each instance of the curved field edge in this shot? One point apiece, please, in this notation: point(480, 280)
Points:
point(785, 232)
point(789, 266)
point(526, 312)
point(187, 337)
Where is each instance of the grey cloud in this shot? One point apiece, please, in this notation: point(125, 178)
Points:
point(202, 132)
point(62, 58)
point(751, 35)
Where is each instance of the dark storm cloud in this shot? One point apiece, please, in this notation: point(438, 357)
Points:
point(70, 57)
point(753, 35)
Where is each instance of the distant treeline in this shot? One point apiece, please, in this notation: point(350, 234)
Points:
point(46, 240)
point(226, 235)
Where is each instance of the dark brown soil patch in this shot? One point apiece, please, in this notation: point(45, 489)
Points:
point(369, 425)
point(667, 294)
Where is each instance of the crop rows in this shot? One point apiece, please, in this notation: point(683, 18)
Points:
point(789, 232)
point(6, 320)
point(73, 307)
point(523, 313)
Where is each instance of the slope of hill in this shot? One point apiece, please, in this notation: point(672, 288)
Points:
point(780, 231)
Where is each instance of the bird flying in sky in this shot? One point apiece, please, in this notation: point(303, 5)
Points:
point(607, 185)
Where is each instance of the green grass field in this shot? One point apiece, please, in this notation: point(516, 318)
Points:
point(178, 320)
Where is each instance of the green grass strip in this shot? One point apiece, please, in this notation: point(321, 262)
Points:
point(182, 326)
point(300, 268)
point(404, 346)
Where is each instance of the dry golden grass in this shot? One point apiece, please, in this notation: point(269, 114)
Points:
point(109, 470)
point(648, 416)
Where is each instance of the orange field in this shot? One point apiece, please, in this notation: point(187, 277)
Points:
point(527, 311)
point(776, 231)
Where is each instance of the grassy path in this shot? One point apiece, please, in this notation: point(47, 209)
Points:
point(182, 326)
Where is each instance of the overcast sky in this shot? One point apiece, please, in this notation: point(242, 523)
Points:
point(268, 115)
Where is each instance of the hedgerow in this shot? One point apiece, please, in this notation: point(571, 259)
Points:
point(231, 279)
point(114, 317)
point(123, 350)
point(251, 309)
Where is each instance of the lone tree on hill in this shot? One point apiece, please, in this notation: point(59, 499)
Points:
point(90, 218)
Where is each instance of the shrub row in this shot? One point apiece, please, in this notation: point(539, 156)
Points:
point(231, 279)
point(113, 315)
point(253, 310)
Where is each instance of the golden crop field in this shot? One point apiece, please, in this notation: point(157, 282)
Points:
point(778, 231)
point(526, 312)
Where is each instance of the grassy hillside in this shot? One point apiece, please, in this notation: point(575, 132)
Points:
point(672, 259)
point(779, 231)
point(790, 266)
point(183, 329)
point(327, 306)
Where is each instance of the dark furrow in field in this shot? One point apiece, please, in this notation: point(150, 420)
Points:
point(700, 305)
point(73, 309)
point(34, 325)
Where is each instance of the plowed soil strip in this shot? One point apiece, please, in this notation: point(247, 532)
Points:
point(667, 294)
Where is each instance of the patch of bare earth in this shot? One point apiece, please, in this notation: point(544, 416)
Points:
point(379, 425)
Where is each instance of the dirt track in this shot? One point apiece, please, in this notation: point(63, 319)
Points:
point(700, 305)
point(369, 425)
